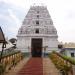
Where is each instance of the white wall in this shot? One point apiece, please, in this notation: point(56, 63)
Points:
point(24, 44)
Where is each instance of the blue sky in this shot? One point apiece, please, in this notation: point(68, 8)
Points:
point(12, 13)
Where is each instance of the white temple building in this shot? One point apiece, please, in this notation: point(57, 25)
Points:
point(37, 33)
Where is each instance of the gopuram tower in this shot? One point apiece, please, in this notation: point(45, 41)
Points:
point(37, 33)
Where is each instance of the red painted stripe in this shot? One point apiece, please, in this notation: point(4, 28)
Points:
point(33, 67)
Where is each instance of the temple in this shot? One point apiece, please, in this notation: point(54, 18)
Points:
point(37, 33)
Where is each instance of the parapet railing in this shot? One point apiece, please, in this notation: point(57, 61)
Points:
point(9, 60)
point(62, 63)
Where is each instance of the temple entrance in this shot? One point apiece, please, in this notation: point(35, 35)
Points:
point(36, 45)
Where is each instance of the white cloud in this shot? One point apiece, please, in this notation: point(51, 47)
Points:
point(13, 17)
point(4, 17)
point(14, 28)
point(12, 23)
point(61, 11)
point(19, 3)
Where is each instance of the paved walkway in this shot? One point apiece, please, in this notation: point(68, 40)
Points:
point(73, 69)
point(49, 68)
point(14, 70)
point(33, 67)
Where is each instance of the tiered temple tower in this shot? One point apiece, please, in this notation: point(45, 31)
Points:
point(37, 33)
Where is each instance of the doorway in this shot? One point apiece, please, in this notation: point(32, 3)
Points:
point(36, 47)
